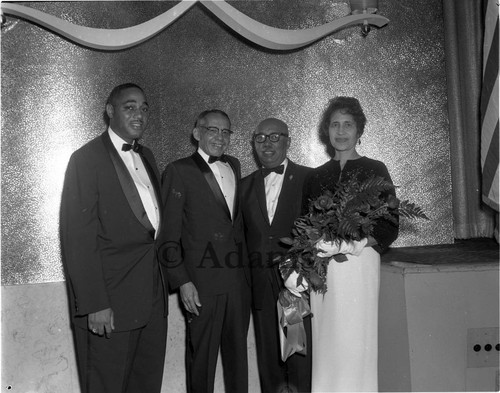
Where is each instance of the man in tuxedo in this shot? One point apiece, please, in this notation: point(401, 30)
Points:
point(203, 247)
point(110, 217)
point(271, 201)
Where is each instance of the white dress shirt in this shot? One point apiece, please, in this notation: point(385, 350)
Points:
point(225, 178)
point(273, 184)
point(137, 170)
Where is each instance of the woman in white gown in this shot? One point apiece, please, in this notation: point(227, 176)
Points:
point(345, 318)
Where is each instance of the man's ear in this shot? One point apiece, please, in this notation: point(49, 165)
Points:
point(110, 110)
point(196, 133)
point(288, 142)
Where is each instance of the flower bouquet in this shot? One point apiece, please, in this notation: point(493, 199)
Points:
point(347, 213)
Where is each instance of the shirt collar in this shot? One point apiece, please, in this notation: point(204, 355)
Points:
point(284, 163)
point(204, 155)
point(117, 140)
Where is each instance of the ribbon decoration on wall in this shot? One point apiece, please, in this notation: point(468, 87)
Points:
point(256, 32)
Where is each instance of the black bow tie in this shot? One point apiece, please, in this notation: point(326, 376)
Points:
point(278, 169)
point(213, 159)
point(136, 147)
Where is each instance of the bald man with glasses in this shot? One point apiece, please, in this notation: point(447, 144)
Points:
point(271, 201)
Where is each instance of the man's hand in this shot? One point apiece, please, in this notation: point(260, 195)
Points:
point(102, 322)
point(189, 297)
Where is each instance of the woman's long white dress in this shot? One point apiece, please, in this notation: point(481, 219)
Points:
point(345, 326)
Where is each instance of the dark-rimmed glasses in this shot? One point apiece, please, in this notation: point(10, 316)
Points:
point(214, 131)
point(274, 137)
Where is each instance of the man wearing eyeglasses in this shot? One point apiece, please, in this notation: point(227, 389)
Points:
point(271, 201)
point(203, 247)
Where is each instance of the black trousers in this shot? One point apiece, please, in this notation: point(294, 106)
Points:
point(222, 324)
point(127, 362)
point(277, 376)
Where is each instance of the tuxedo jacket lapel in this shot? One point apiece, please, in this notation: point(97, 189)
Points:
point(128, 185)
point(212, 182)
point(236, 204)
point(154, 181)
point(287, 190)
point(260, 190)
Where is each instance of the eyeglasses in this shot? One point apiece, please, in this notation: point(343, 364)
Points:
point(215, 131)
point(274, 137)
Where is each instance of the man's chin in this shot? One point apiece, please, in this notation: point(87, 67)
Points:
point(268, 163)
point(137, 135)
point(216, 153)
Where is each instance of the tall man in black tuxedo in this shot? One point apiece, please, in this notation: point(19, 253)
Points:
point(271, 201)
point(203, 248)
point(109, 220)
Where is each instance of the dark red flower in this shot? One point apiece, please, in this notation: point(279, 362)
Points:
point(313, 233)
point(324, 202)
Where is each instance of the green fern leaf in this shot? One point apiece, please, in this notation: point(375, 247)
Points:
point(409, 210)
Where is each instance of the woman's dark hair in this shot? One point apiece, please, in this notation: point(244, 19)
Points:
point(348, 105)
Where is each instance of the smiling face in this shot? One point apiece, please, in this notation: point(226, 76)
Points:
point(343, 132)
point(213, 145)
point(128, 114)
point(272, 154)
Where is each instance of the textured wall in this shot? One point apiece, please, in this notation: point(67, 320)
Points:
point(37, 344)
point(53, 94)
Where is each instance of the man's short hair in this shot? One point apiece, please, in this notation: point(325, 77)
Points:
point(204, 114)
point(118, 89)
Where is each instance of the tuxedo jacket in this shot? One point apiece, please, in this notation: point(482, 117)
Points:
point(199, 241)
point(262, 237)
point(107, 240)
